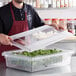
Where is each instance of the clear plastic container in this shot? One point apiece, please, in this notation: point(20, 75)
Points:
point(45, 4)
point(75, 25)
point(54, 3)
point(70, 26)
point(41, 3)
point(70, 3)
point(63, 23)
point(37, 63)
point(49, 3)
point(55, 21)
point(58, 3)
point(39, 38)
point(37, 3)
point(34, 3)
point(62, 3)
point(66, 3)
point(48, 21)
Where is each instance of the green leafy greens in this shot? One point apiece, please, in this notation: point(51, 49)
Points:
point(38, 52)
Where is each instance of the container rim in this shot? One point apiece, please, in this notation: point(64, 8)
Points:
point(9, 54)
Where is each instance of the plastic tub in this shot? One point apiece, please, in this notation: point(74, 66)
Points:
point(37, 63)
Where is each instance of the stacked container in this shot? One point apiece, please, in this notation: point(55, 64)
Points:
point(48, 3)
point(66, 3)
point(37, 3)
point(58, 3)
point(62, 3)
point(54, 3)
point(75, 25)
point(70, 3)
point(48, 21)
point(63, 23)
point(55, 21)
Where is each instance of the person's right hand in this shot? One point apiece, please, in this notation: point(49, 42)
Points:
point(5, 39)
point(58, 27)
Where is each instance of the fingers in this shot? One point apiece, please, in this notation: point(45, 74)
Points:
point(10, 38)
point(58, 27)
point(20, 42)
point(62, 27)
point(55, 26)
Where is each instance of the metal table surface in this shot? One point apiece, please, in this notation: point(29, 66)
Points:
point(68, 70)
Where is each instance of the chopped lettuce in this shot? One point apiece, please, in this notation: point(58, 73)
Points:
point(38, 52)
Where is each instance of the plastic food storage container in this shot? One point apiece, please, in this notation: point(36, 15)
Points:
point(71, 26)
point(55, 21)
point(37, 63)
point(63, 23)
point(58, 3)
point(39, 38)
point(48, 21)
point(62, 3)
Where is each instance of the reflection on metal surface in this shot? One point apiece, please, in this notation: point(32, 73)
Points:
point(57, 70)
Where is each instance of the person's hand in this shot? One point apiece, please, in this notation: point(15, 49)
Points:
point(5, 39)
point(20, 41)
point(58, 27)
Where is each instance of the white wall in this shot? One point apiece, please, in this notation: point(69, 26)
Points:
point(74, 2)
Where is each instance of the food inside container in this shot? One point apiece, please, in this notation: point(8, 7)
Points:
point(36, 62)
point(43, 35)
point(39, 52)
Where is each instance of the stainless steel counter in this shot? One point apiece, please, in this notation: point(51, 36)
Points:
point(68, 70)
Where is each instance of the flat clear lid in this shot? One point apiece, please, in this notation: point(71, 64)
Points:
point(38, 38)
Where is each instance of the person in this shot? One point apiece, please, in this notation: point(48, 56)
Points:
point(16, 17)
